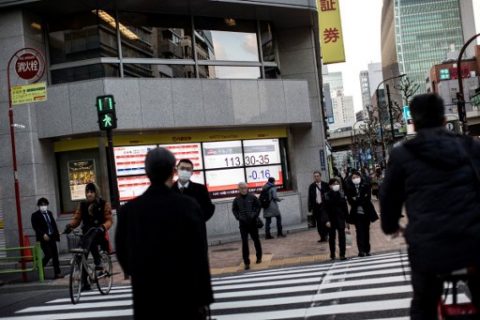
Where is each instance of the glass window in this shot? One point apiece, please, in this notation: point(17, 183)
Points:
point(221, 72)
point(93, 71)
point(266, 35)
point(226, 39)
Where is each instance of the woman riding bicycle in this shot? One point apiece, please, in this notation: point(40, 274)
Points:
point(92, 213)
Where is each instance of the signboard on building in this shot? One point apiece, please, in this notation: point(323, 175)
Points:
point(191, 151)
point(131, 160)
point(80, 172)
point(36, 92)
point(330, 31)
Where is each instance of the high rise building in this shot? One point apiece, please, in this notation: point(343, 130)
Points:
point(343, 111)
point(417, 34)
point(375, 76)
point(365, 88)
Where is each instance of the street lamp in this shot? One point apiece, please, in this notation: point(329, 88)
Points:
point(389, 105)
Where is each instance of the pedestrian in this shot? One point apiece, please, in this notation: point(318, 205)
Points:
point(362, 211)
point(246, 209)
point(337, 211)
point(95, 215)
point(161, 244)
point(195, 190)
point(436, 174)
point(46, 232)
point(316, 201)
point(272, 211)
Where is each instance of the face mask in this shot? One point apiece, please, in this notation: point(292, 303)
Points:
point(356, 180)
point(43, 208)
point(336, 187)
point(184, 175)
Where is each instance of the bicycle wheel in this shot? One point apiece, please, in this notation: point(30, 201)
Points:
point(75, 285)
point(104, 278)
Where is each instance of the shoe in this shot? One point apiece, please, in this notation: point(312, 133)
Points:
point(59, 276)
point(247, 267)
point(361, 254)
point(332, 258)
point(259, 260)
point(268, 236)
point(86, 287)
point(368, 254)
point(281, 235)
point(343, 258)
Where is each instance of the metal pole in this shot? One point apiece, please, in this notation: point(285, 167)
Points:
point(112, 175)
point(390, 113)
point(384, 155)
point(462, 112)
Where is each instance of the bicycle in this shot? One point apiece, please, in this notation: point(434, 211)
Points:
point(456, 310)
point(79, 262)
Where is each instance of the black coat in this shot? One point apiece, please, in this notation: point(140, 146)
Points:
point(39, 224)
point(433, 176)
point(161, 242)
point(336, 208)
point(246, 209)
point(312, 194)
point(363, 198)
point(200, 193)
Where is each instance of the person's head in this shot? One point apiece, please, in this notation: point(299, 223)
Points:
point(243, 188)
point(334, 185)
point(428, 111)
point(184, 170)
point(356, 177)
point(271, 180)
point(317, 175)
point(160, 166)
point(92, 192)
point(42, 204)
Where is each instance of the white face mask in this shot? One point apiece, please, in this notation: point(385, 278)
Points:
point(184, 175)
point(356, 180)
point(336, 187)
point(43, 208)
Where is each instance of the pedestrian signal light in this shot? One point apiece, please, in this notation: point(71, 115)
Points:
point(107, 118)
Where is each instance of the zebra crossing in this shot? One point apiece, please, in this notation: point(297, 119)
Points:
point(375, 288)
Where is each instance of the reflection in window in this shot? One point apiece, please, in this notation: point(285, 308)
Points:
point(226, 39)
point(220, 72)
point(93, 71)
point(266, 35)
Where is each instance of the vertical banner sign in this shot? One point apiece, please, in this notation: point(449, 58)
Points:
point(331, 37)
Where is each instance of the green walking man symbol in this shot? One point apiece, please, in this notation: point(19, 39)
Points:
point(107, 121)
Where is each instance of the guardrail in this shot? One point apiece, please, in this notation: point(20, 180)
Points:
point(30, 259)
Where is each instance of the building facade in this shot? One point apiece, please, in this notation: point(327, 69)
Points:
point(234, 86)
point(365, 88)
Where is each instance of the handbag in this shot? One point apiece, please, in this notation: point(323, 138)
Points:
point(259, 223)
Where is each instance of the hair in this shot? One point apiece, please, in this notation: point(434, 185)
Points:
point(42, 201)
point(241, 184)
point(316, 171)
point(333, 180)
point(185, 161)
point(271, 179)
point(428, 111)
point(159, 165)
point(357, 173)
point(91, 186)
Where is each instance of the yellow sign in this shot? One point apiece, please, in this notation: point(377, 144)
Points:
point(330, 31)
point(29, 93)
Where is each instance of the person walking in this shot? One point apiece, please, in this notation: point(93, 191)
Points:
point(362, 211)
point(161, 244)
point(46, 232)
point(437, 176)
point(337, 211)
point(246, 209)
point(316, 201)
point(272, 211)
point(195, 190)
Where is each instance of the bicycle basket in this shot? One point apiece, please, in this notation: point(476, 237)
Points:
point(73, 240)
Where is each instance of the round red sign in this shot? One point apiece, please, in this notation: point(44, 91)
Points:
point(28, 66)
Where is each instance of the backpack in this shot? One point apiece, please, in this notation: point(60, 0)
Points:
point(265, 198)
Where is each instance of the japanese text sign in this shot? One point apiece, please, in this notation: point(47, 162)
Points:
point(331, 37)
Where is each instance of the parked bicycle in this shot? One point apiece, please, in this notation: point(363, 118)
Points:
point(80, 266)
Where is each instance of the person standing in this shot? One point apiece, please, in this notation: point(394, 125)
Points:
point(195, 190)
point(362, 211)
point(437, 176)
point(246, 209)
point(316, 201)
point(272, 210)
point(337, 211)
point(46, 232)
point(161, 244)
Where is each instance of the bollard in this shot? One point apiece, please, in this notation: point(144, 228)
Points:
point(37, 258)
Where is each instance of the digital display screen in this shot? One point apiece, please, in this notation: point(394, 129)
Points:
point(225, 154)
point(221, 183)
point(258, 176)
point(131, 160)
point(132, 187)
point(261, 152)
point(191, 151)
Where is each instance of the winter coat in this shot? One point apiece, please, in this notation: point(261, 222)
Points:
point(39, 224)
point(363, 198)
point(272, 210)
point(246, 208)
point(200, 193)
point(336, 208)
point(312, 194)
point(433, 175)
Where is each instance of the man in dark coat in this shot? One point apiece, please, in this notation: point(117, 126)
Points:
point(316, 202)
point(161, 243)
point(46, 232)
point(337, 211)
point(362, 211)
point(246, 209)
point(436, 176)
point(195, 190)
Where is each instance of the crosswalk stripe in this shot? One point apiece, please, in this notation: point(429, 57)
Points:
point(91, 305)
point(93, 298)
point(76, 315)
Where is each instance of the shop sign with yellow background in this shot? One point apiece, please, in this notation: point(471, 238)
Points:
point(331, 36)
point(29, 93)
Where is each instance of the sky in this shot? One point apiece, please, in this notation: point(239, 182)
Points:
point(361, 23)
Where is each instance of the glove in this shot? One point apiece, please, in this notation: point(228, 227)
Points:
point(102, 229)
point(68, 229)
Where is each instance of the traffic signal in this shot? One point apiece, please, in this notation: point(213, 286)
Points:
point(107, 119)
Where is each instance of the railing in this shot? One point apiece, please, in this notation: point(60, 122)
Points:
point(30, 259)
